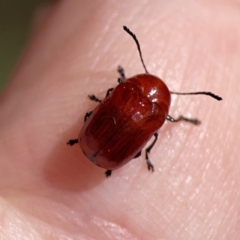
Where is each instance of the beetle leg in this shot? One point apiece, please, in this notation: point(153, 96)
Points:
point(122, 74)
point(108, 173)
point(94, 98)
point(182, 118)
point(72, 142)
point(87, 116)
point(109, 91)
point(120, 80)
point(138, 154)
point(149, 164)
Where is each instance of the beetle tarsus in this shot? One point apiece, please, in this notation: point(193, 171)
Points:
point(108, 173)
point(150, 165)
point(122, 74)
point(71, 142)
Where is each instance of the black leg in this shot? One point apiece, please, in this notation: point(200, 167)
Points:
point(138, 154)
point(88, 114)
point(108, 173)
point(182, 118)
point(149, 164)
point(122, 74)
point(120, 80)
point(94, 98)
point(109, 91)
point(72, 142)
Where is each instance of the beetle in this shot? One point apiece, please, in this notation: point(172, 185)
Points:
point(124, 121)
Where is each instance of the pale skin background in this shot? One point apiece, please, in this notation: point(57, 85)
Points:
point(51, 191)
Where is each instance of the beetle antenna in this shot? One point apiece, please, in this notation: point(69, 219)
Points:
point(138, 46)
point(199, 93)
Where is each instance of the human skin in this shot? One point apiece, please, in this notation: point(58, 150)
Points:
point(51, 191)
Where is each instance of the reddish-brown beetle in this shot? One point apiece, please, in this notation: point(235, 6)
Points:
point(120, 126)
